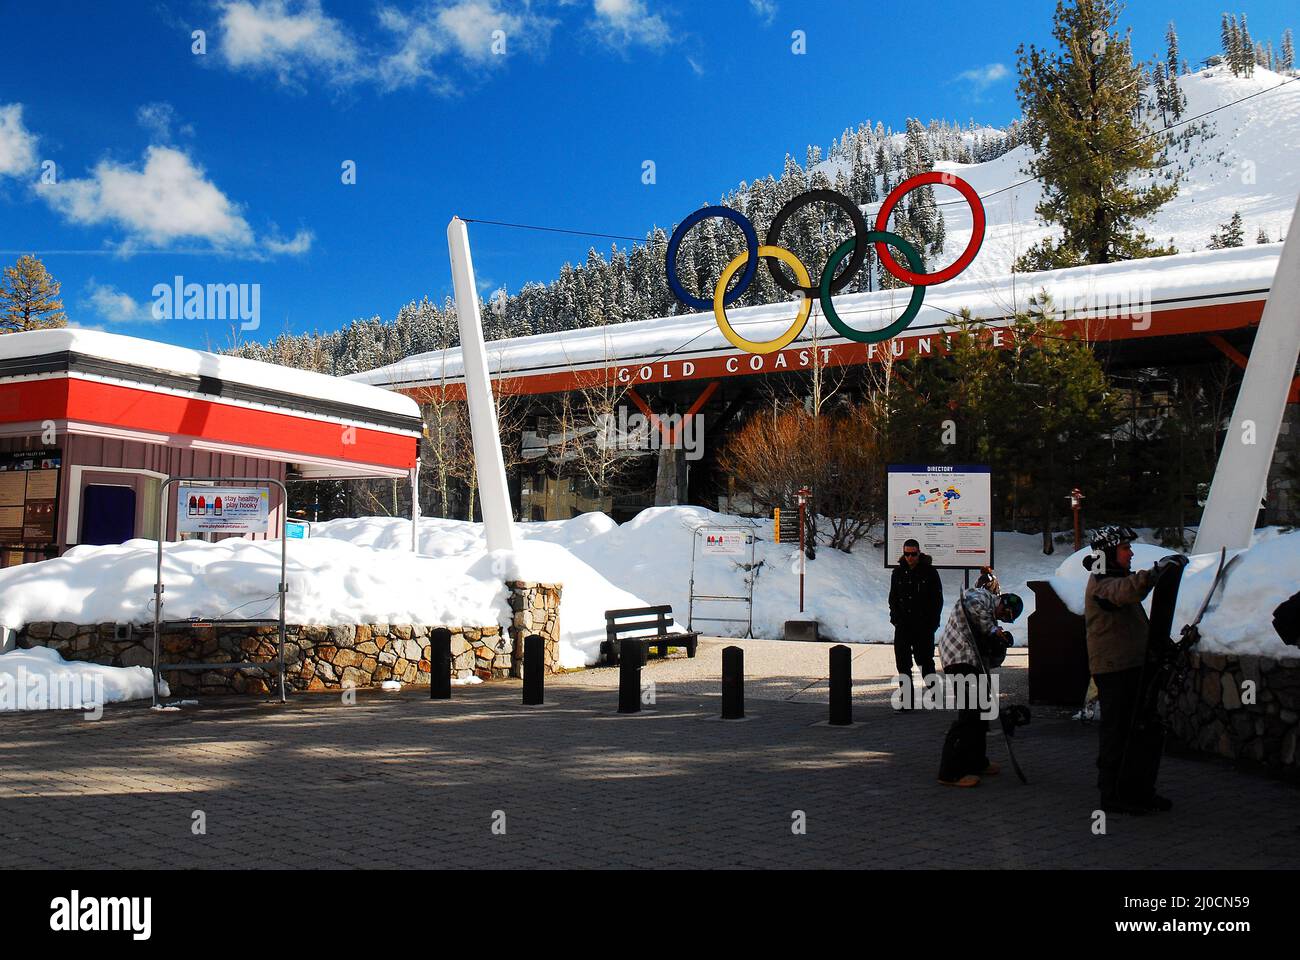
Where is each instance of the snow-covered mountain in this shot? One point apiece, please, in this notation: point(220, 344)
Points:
point(1246, 162)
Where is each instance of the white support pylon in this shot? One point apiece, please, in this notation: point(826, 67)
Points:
point(1237, 488)
point(494, 495)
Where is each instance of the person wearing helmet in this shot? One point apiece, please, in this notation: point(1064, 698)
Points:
point(972, 643)
point(1117, 629)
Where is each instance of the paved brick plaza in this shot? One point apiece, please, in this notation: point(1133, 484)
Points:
point(399, 781)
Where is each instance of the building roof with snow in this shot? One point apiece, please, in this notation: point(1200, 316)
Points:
point(89, 382)
point(1206, 293)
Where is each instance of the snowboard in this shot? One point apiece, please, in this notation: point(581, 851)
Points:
point(1164, 598)
point(1145, 726)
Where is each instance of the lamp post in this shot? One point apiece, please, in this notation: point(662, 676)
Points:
point(804, 493)
point(1076, 504)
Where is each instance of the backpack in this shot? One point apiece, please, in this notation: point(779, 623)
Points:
point(993, 648)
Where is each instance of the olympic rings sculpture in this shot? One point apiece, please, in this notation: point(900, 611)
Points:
point(831, 281)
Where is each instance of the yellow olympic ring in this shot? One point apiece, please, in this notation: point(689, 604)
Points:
point(801, 318)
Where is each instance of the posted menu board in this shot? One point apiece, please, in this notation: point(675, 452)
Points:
point(29, 493)
point(948, 509)
point(222, 509)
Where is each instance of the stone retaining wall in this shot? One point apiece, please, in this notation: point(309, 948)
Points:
point(1213, 711)
point(316, 657)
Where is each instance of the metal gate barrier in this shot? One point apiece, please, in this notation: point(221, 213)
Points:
point(282, 588)
point(722, 530)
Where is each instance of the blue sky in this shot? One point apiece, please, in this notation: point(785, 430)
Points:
point(227, 166)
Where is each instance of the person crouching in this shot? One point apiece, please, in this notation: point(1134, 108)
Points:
point(971, 627)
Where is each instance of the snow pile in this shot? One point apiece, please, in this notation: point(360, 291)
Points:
point(362, 571)
point(544, 552)
point(330, 581)
point(40, 679)
point(1239, 619)
point(648, 561)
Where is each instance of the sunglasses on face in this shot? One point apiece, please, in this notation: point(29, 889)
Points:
point(911, 553)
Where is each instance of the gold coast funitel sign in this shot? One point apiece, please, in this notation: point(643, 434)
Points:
point(777, 258)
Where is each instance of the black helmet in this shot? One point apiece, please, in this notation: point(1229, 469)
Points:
point(1108, 538)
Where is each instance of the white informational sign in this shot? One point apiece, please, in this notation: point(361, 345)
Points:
point(222, 509)
point(724, 543)
point(948, 509)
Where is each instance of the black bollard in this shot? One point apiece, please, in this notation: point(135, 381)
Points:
point(841, 688)
point(440, 664)
point(534, 667)
point(631, 655)
point(733, 683)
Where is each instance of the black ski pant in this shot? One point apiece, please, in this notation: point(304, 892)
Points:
point(965, 749)
point(1132, 740)
point(913, 643)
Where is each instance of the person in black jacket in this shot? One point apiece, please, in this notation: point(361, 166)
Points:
point(915, 604)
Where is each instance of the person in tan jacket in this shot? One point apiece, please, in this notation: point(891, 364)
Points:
point(1117, 628)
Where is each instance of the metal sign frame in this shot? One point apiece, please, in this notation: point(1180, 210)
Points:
point(749, 531)
point(282, 589)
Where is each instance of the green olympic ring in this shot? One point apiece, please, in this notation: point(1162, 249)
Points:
point(905, 318)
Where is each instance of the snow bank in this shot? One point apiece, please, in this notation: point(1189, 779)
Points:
point(648, 561)
point(546, 552)
point(362, 571)
point(330, 581)
point(1240, 618)
point(40, 679)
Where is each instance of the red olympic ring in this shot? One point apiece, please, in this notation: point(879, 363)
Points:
point(976, 237)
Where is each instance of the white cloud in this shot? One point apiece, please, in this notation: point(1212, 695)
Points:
point(300, 244)
point(766, 9)
point(114, 306)
point(17, 143)
point(981, 78)
point(622, 23)
point(470, 25)
point(169, 199)
point(157, 118)
point(464, 28)
point(286, 37)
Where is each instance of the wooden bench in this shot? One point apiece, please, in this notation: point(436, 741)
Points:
point(620, 624)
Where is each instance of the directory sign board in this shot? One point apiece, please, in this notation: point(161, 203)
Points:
point(947, 508)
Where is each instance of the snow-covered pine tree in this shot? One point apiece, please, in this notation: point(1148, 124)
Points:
point(1287, 61)
point(1247, 49)
point(1175, 100)
point(1231, 234)
point(1161, 92)
point(1262, 236)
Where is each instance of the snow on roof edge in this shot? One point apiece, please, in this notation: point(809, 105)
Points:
point(1234, 270)
point(187, 361)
